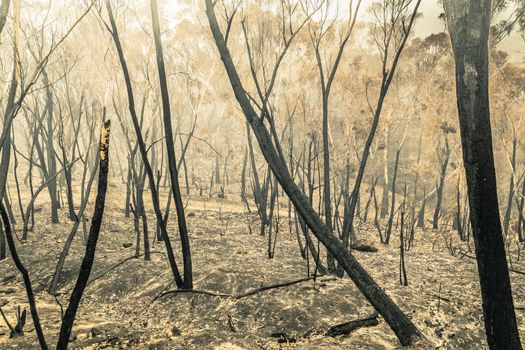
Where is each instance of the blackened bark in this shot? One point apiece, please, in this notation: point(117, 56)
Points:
point(469, 26)
point(384, 196)
point(170, 148)
point(25, 277)
point(62, 258)
point(2, 244)
point(142, 148)
point(520, 204)
point(51, 154)
point(91, 246)
point(403, 327)
point(388, 75)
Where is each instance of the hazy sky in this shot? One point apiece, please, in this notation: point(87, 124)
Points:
point(430, 9)
point(430, 23)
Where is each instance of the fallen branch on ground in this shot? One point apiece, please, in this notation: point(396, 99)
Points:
point(349, 327)
point(233, 296)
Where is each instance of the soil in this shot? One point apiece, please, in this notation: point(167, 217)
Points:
point(121, 308)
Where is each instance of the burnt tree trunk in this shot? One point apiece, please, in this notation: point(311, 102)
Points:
point(469, 26)
point(91, 246)
point(403, 327)
point(170, 148)
point(142, 148)
point(25, 277)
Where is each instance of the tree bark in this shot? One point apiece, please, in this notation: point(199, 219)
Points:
point(469, 26)
point(170, 148)
point(142, 149)
point(62, 258)
point(25, 276)
point(89, 256)
point(403, 327)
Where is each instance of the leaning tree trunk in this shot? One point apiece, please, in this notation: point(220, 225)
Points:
point(25, 276)
point(469, 26)
point(63, 255)
point(89, 256)
point(170, 148)
point(142, 148)
point(388, 75)
point(403, 327)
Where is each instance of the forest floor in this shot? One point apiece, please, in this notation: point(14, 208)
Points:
point(120, 309)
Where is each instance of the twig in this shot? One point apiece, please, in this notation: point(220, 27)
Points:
point(59, 304)
point(230, 323)
point(6, 321)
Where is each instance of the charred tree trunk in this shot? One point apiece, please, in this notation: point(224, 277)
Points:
point(5, 144)
point(89, 256)
point(398, 321)
point(62, 258)
point(170, 148)
point(459, 216)
point(2, 244)
point(402, 266)
point(140, 140)
point(422, 210)
point(25, 277)
point(50, 149)
point(387, 77)
point(469, 26)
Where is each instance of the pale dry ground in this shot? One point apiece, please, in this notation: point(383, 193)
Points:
point(118, 310)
